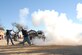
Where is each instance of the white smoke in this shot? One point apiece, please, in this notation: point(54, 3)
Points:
point(79, 11)
point(23, 16)
point(59, 29)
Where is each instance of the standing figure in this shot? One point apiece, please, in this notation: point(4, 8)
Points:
point(15, 36)
point(8, 36)
point(26, 37)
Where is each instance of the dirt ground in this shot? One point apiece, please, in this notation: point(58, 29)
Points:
point(40, 50)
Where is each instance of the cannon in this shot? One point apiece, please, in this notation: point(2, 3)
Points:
point(39, 34)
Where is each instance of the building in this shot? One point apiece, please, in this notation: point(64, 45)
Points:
point(1, 33)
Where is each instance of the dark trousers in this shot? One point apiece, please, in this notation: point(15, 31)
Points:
point(26, 39)
point(9, 37)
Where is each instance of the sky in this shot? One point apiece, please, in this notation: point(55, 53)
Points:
point(10, 10)
point(61, 19)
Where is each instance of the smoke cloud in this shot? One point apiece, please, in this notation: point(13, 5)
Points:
point(79, 11)
point(59, 29)
point(23, 16)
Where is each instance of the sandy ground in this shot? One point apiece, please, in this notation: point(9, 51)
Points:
point(3, 42)
point(39, 50)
